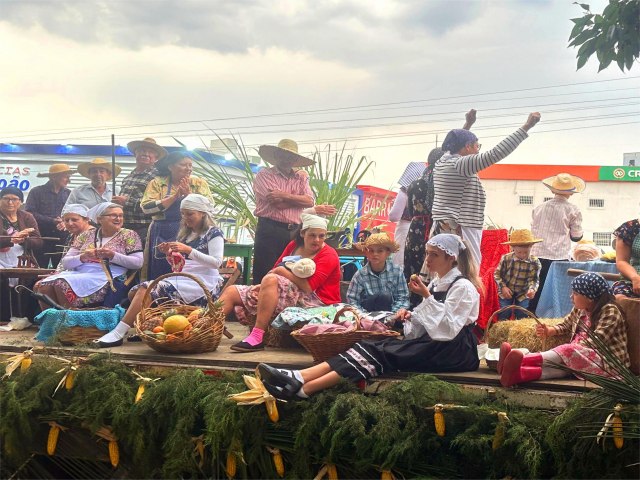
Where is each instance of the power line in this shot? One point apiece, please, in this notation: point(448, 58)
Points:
point(335, 109)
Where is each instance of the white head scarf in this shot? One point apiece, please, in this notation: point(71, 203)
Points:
point(76, 208)
point(197, 202)
point(313, 221)
point(448, 243)
point(95, 212)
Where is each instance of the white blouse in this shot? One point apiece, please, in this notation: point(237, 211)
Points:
point(443, 321)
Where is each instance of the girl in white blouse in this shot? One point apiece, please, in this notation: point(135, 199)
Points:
point(438, 333)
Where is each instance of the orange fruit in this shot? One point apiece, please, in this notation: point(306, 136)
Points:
point(158, 329)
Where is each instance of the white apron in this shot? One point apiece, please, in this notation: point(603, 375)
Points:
point(9, 259)
point(189, 290)
point(88, 278)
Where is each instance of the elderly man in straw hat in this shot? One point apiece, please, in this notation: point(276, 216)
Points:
point(282, 192)
point(558, 222)
point(147, 153)
point(518, 273)
point(45, 203)
point(100, 172)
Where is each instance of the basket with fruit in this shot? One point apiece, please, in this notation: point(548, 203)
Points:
point(173, 327)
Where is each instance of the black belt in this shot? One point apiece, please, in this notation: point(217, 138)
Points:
point(286, 226)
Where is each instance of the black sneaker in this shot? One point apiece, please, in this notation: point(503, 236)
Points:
point(244, 347)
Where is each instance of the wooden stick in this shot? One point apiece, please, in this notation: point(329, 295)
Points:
point(574, 272)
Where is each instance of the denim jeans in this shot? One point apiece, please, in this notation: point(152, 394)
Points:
point(506, 315)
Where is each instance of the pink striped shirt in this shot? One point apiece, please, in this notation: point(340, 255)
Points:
point(269, 179)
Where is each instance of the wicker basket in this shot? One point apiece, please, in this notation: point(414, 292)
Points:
point(77, 335)
point(206, 332)
point(277, 337)
point(329, 344)
point(533, 345)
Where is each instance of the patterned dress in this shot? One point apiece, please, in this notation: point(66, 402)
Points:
point(420, 200)
point(579, 354)
point(629, 233)
point(124, 241)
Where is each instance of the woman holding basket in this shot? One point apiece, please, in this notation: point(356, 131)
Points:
point(438, 332)
point(201, 244)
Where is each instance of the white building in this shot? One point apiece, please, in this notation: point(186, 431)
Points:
point(611, 197)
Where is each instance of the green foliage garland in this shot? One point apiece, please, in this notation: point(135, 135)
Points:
point(362, 434)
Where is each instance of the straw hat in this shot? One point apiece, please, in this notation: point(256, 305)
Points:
point(380, 240)
point(522, 237)
point(83, 168)
point(286, 150)
point(148, 143)
point(564, 183)
point(57, 168)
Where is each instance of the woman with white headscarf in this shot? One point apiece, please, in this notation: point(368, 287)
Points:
point(200, 242)
point(438, 333)
point(84, 282)
point(281, 288)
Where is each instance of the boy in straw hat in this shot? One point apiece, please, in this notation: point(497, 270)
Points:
point(281, 192)
point(517, 273)
point(558, 222)
point(99, 171)
point(379, 285)
point(45, 203)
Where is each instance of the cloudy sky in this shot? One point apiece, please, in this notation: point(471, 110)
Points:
point(388, 77)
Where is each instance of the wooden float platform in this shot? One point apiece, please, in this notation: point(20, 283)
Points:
point(542, 394)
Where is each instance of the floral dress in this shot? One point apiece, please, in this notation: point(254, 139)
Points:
point(125, 241)
point(629, 233)
point(420, 200)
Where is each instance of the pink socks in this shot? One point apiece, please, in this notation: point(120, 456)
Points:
point(255, 337)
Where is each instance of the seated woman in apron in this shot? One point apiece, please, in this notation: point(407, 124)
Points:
point(161, 200)
point(84, 281)
point(438, 333)
point(18, 229)
point(201, 243)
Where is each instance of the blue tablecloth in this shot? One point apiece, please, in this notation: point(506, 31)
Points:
point(555, 301)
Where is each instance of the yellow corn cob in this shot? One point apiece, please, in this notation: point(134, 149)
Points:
point(272, 410)
point(25, 364)
point(52, 439)
point(231, 464)
point(114, 453)
point(200, 449)
point(278, 461)
point(501, 429)
point(70, 379)
point(438, 420)
point(332, 471)
point(618, 439)
point(386, 475)
point(139, 393)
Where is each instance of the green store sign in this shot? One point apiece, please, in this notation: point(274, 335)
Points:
point(620, 174)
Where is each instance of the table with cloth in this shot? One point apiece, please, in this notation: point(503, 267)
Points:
point(555, 301)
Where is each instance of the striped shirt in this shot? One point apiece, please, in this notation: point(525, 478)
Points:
point(556, 221)
point(459, 195)
point(411, 173)
point(269, 179)
point(518, 275)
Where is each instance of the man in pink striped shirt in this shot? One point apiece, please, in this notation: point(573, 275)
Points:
point(281, 195)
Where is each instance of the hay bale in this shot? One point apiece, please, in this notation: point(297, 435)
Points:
point(521, 334)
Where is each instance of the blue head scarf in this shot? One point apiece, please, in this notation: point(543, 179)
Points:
point(591, 285)
point(457, 139)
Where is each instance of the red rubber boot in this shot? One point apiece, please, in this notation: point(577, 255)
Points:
point(532, 360)
point(505, 349)
point(513, 372)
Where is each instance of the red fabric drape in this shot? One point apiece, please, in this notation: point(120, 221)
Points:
point(492, 250)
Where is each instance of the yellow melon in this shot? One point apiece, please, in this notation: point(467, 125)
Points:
point(175, 324)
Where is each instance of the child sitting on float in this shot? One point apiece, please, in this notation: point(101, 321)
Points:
point(594, 309)
point(438, 333)
point(379, 285)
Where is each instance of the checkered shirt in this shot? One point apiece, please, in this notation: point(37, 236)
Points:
point(610, 326)
point(519, 276)
point(134, 186)
point(391, 280)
